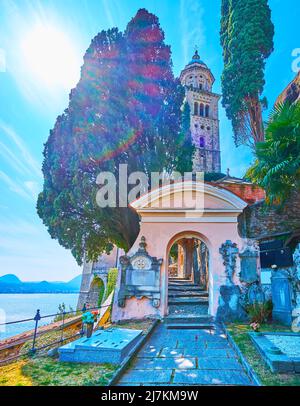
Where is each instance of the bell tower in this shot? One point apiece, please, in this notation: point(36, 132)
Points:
point(198, 80)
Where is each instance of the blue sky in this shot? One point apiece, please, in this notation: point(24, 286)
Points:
point(41, 48)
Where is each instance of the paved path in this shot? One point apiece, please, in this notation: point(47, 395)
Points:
point(186, 357)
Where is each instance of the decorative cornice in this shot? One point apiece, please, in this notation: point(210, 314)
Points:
point(147, 200)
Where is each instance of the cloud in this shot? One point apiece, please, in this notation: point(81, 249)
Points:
point(14, 186)
point(108, 13)
point(9, 156)
point(2, 61)
point(192, 27)
point(26, 161)
point(33, 188)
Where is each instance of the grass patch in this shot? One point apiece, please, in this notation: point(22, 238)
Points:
point(42, 370)
point(12, 375)
point(46, 371)
point(239, 332)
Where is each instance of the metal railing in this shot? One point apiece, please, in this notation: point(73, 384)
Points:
point(27, 343)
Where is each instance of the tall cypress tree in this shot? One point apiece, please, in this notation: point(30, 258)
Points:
point(126, 109)
point(247, 40)
point(156, 97)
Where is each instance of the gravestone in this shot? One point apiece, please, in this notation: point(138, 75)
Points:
point(229, 252)
point(252, 289)
point(280, 350)
point(230, 308)
point(111, 345)
point(140, 276)
point(282, 296)
point(286, 291)
point(296, 258)
point(249, 256)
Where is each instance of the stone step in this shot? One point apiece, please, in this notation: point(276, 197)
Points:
point(187, 310)
point(188, 301)
point(191, 326)
point(186, 283)
point(187, 294)
point(189, 319)
point(185, 288)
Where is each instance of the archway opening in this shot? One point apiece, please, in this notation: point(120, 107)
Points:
point(96, 293)
point(188, 276)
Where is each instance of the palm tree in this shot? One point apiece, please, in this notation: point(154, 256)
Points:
point(277, 164)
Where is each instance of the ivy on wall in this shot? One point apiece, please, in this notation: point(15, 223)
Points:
point(111, 282)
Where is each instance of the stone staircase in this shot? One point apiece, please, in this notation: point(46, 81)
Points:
point(188, 306)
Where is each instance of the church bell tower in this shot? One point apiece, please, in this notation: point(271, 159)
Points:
point(198, 80)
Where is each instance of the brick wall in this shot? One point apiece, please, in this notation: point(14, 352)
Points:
point(259, 220)
point(248, 192)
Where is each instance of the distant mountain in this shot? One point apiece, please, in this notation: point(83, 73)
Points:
point(75, 282)
point(12, 284)
point(9, 278)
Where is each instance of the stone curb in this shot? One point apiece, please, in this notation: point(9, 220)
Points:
point(245, 363)
point(119, 372)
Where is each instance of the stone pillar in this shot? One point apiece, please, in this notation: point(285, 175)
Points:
point(180, 261)
point(87, 277)
point(197, 264)
point(189, 251)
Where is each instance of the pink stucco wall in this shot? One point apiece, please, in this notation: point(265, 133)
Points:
point(162, 228)
point(159, 238)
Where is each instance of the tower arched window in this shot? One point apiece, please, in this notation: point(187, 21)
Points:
point(201, 142)
point(196, 109)
point(207, 110)
point(201, 110)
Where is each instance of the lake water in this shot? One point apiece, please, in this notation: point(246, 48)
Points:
point(23, 306)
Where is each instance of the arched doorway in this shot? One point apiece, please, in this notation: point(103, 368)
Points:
point(96, 293)
point(188, 276)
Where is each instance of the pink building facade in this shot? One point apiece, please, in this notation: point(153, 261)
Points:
point(169, 214)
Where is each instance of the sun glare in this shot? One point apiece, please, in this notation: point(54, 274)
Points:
point(50, 56)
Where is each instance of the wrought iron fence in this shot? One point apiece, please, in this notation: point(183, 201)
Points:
point(42, 337)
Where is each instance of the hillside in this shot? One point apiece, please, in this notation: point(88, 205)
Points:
point(12, 284)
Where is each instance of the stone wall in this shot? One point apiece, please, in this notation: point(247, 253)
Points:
point(259, 221)
point(292, 92)
point(99, 269)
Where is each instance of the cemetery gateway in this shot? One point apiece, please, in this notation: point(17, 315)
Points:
point(188, 262)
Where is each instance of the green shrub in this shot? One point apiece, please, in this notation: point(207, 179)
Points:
point(61, 313)
point(111, 282)
point(260, 312)
point(101, 293)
